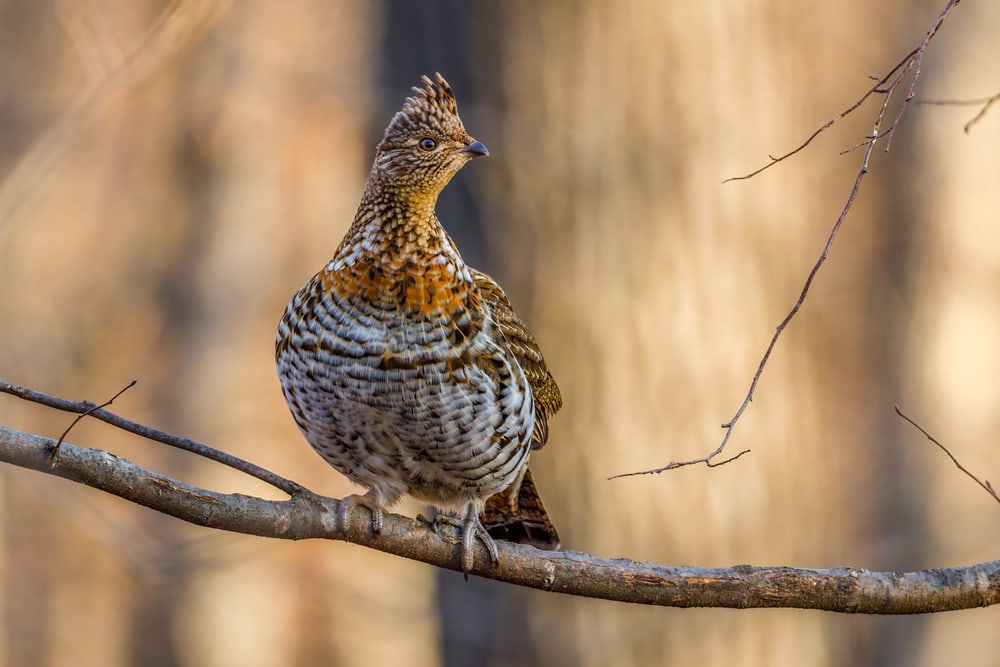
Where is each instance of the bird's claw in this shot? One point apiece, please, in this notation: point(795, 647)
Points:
point(369, 502)
point(470, 528)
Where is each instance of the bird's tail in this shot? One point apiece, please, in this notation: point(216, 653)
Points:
point(517, 515)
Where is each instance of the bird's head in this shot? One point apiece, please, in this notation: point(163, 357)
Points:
point(425, 143)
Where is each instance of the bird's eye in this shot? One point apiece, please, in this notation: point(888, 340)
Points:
point(427, 144)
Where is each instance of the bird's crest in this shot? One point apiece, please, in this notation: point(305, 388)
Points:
point(436, 94)
point(432, 109)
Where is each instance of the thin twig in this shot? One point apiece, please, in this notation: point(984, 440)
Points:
point(188, 445)
point(886, 86)
point(915, 64)
point(983, 483)
point(987, 102)
point(55, 450)
point(707, 460)
point(877, 88)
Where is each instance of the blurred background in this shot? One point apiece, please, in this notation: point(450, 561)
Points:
point(171, 173)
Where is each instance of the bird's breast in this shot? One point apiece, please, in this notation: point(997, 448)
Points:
point(415, 287)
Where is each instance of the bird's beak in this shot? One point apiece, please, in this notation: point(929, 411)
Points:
point(475, 149)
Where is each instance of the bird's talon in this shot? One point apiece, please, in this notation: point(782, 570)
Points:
point(367, 501)
point(471, 529)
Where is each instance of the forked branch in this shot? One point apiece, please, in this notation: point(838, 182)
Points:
point(887, 86)
point(90, 409)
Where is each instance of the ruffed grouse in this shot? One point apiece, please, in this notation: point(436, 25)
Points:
point(408, 370)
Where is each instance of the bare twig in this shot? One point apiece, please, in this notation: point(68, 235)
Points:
point(707, 460)
point(915, 64)
point(55, 450)
point(981, 482)
point(877, 88)
point(307, 515)
point(188, 445)
point(886, 86)
point(987, 102)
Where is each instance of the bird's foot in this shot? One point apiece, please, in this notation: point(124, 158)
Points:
point(470, 528)
point(369, 501)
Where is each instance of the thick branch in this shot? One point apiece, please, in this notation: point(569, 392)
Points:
point(307, 515)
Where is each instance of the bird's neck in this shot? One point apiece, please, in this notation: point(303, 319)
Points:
point(397, 227)
point(397, 255)
point(408, 206)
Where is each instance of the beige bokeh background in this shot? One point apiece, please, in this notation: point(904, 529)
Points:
point(171, 173)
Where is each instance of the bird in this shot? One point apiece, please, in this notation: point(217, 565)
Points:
point(409, 371)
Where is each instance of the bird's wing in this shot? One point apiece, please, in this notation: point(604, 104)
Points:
point(517, 514)
point(520, 342)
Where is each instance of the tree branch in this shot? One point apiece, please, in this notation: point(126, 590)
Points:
point(90, 409)
point(985, 483)
point(885, 86)
point(307, 515)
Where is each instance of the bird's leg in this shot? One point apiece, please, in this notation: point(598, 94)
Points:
point(370, 501)
point(470, 528)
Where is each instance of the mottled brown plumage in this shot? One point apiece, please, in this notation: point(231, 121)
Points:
point(516, 514)
point(406, 369)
